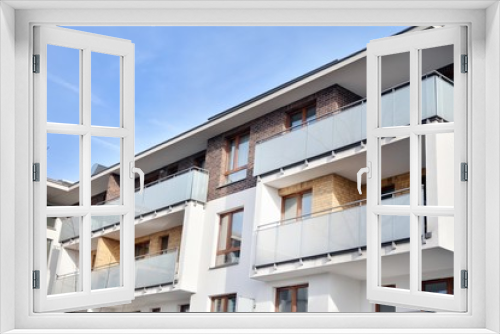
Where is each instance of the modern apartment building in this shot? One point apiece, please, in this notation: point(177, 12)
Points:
point(257, 210)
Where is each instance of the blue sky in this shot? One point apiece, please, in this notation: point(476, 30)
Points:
point(183, 76)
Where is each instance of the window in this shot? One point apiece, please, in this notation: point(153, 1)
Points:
point(237, 157)
point(300, 117)
point(184, 308)
point(156, 309)
point(164, 243)
point(225, 303)
point(229, 242)
point(292, 298)
point(441, 285)
point(142, 249)
point(298, 205)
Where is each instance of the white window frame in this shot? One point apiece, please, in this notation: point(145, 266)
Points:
point(413, 43)
point(484, 104)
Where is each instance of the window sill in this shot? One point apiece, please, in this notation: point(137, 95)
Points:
point(225, 265)
point(229, 183)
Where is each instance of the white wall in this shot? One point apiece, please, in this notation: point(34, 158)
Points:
point(190, 249)
point(7, 170)
point(233, 278)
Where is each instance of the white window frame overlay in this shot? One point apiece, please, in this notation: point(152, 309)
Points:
point(414, 43)
point(86, 43)
point(17, 20)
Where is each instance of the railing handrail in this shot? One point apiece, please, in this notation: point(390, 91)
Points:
point(115, 264)
point(352, 104)
point(322, 212)
point(160, 180)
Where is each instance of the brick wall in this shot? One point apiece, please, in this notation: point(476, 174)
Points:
point(327, 100)
point(107, 252)
point(113, 190)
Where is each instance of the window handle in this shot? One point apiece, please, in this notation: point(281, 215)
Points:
point(368, 171)
point(133, 171)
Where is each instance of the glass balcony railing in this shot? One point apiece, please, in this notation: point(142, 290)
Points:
point(347, 126)
point(328, 232)
point(190, 184)
point(150, 270)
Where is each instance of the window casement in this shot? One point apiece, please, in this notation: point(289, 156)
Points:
point(292, 298)
point(224, 303)
point(237, 152)
point(435, 145)
point(301, 117)
point(296, 206)
point(229, 240)
point(79, 126)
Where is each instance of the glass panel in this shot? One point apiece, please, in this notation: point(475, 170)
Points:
point(141, 249)
point(63, 85)
point(237, 176)
point(395, 92)
point(295, 120)
point(232, 151)
point(395, 170)
point(306, 204)
point(237, 228)
point(302, 299)
point(437, 249)
point(63, 168)
point(284, 300)
point(438, 172)
point(106, 252)
point(223, 231)
point(395, 248)
point(386, 308)
point(437, 84)
point(217, 305)
point(164, 243)
point(243, 151)
point(105, 153)
point(63, 256)
point(231, 304)
point(311, 114)
point(105, 88)
point(290, 210)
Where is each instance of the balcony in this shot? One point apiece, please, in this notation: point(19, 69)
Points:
point(188, 185)
point(150, 271)
point(347, 126)
point(334, 231)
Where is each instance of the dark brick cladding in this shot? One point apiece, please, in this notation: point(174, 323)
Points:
point(327, 100)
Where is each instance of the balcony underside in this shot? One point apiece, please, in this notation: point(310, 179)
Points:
point(353, 265)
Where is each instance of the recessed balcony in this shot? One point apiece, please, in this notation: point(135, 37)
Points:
point(346, 127)
point(164, 194)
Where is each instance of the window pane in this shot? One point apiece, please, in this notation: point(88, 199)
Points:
point(285, 300)
point(437, 248)
point(302, 299)
point(237, 227)
point(63, 168)
point(237, 176)
point(296, 119)
point(142, 249)
point(437, 85)
point(105, 89)
point(395, 248)
point(290, 210)
point(105, 153)
point(63, 265)
point(217, 305)
point(63, 85)
point(310, 114)
point(106, 252)
point(306, 204)
point(231, 152)
point(395, 170)
point(223, 231)
point(386, 308)
point(395, 99)
point(243, 151)
point(437, 286)
point(438, 172)
point(164, 243)
point(231, 304)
